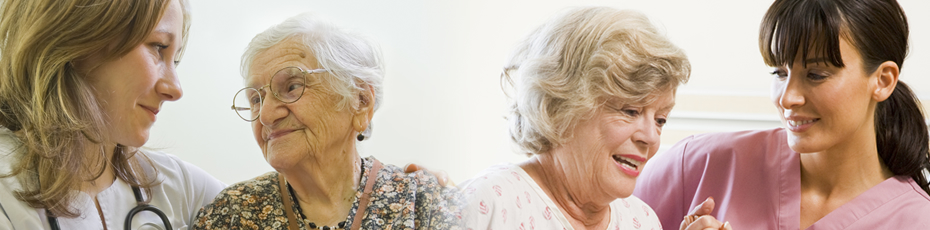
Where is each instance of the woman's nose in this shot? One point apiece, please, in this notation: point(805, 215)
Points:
point(271, 110)
point(789, 94)
point(169, 86)
point(648, 132)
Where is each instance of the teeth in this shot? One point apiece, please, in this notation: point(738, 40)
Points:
point(628, 162)
point(798, 123)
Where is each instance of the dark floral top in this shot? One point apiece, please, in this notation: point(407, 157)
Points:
point(398, 201)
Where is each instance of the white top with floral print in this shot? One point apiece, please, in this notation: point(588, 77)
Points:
point(505, 197)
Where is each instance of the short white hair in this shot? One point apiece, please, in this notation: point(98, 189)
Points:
point(352, 60)
point(568, 66)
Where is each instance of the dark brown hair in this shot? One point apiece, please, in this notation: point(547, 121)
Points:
point(879, 32)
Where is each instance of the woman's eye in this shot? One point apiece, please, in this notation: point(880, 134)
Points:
point(661, 122)
point(781, 74)
point(255, 100)
point(159, 47)
point(815, 76)
point(294, 86)
point(631, 112)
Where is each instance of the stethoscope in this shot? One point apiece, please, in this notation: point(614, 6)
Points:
point(142, 206)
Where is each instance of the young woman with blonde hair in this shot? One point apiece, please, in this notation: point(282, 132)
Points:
point(81, 83)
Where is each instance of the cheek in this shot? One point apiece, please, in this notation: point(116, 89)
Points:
point(617, 135)
point(257, 133)
point(777, 91)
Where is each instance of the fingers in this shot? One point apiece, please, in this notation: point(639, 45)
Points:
point(700, 217)
point(441, 176)
point(705, 208)
point(411, 168)
point(705, 223)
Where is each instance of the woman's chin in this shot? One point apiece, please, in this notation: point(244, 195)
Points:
point(135, 141)
point(280, 163)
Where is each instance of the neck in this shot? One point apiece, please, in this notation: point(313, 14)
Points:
point(326, 188)
point(95, 162)
point(578, 206)
point(845, 170)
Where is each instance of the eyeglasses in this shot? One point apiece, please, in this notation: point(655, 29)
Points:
point(287, 85)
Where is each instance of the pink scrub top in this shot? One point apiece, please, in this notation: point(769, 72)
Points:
point(755, 179)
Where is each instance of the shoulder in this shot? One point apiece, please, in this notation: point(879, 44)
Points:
point(696, 152)
point(417, 196)
point(497, 174)
point(391, 175)
point(245, 204)
point(266, 184)
point(424, 185)
point(911, 202)
point(9, 151)
point(497, 184)
point(727, 142)
point(176, 176)
point(173, 168)
point(633, 211)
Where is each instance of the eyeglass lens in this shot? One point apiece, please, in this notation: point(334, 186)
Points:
point(287, 85)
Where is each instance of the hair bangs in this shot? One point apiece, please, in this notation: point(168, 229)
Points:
point(806, 28)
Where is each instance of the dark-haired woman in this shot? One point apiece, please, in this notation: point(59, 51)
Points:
point(854, 147)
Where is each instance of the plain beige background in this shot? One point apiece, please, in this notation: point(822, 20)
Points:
point(443, 106)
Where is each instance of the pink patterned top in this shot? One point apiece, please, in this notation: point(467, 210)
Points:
point(505, 197)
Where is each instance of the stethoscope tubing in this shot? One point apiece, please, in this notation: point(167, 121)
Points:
point(142, 206)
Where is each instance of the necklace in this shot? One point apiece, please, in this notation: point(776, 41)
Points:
point(311, 225)
point(362, 202)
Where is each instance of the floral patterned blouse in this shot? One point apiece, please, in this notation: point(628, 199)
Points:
point(398, 201)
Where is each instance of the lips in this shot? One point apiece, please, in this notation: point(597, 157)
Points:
point(629, 164)
point(153, 111)
point(279, 133)
point(150, 109)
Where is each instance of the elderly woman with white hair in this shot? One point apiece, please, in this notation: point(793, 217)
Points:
point(591, 90)
point(311, 90)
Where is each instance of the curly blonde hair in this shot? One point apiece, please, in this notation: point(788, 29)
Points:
point(566, 68)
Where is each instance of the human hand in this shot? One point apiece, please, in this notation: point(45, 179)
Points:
point(700, 218)
point(441, 176)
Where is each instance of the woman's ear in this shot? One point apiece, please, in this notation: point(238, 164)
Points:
point(885, 81)
point(366, 108)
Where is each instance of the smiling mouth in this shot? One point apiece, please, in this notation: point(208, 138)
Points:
point(794, 123)
point(627, 162)
point(150, 109)
point(277, 134)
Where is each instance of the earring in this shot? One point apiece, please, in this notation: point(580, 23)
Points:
point(360, 137)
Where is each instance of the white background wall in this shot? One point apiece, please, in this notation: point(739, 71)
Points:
point(443, 105)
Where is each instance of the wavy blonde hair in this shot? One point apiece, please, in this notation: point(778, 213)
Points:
point(566, 68)
point(49, 106)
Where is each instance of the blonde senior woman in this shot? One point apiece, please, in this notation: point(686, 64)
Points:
point(311, 90)
point(591, 91)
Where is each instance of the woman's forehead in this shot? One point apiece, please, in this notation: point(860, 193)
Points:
point(289, 52)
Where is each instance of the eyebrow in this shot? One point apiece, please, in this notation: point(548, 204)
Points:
point(166, 32)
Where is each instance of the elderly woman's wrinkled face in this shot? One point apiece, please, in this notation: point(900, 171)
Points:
point(290, 134)
point(609, 150)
